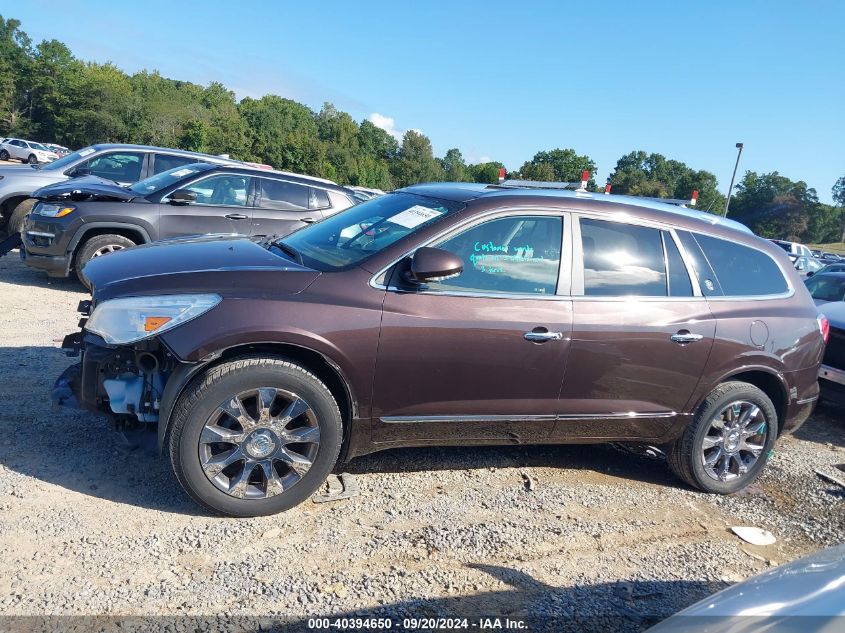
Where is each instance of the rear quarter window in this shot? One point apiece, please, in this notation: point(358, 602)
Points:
point(742, 270)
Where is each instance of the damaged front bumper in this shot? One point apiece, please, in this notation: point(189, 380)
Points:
point(125, 381)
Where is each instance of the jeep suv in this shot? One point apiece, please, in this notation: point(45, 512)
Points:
point(451, 314)
point(124, 164)
point(78, 220)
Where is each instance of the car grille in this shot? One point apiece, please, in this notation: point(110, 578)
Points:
point(834, 353)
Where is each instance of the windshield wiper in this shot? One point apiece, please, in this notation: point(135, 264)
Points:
point(289, 250)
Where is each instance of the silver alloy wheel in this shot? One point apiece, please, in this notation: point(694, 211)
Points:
point(108, 248)
point(734, 441)
point(259, 443)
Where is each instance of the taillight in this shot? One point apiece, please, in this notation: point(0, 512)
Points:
point(824, 327)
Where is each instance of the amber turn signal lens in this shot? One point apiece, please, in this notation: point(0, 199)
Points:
point(152, 323)
point(63, 212)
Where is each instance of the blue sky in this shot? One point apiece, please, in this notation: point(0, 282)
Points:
point(504, 80)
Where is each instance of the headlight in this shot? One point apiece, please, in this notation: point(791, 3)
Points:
point(53, 210)
point(122, 321)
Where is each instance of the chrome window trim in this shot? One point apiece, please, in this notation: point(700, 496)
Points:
point(425, 419)
point(564, 268)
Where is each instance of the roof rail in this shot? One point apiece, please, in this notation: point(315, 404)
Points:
point(535, 184)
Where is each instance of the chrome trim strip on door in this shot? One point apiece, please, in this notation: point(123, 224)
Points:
point(420, 419)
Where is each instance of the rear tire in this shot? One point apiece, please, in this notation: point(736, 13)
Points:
point(98, 246)
point(32, 160)
point(18, 217)
point(726, 446)
point(4, 155)
point(297, 445)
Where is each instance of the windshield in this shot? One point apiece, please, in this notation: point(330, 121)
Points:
point(163, 180)
point(784, 245)
point(826, 287)
point(39, 146)
point(353, 235)
point(66, 161)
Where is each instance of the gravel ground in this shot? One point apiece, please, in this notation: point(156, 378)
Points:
point(90, 526)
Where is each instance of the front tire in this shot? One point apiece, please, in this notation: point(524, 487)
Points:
point(32, 160)
point(19, 215)
point(254, 436)
point(96, 247)
point(727, 445)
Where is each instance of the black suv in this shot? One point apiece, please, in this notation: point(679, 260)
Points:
point(76, 221)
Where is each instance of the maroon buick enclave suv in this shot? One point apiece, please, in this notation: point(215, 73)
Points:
point(451, 314)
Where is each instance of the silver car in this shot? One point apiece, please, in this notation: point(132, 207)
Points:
point(806, 595)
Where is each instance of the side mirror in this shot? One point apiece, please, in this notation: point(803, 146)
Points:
point(182, 196)
point(434, 264)
point(80, 171)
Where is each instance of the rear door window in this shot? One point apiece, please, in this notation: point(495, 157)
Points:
point(284, 196)
point(163, 162)
point(622, 259)
point(742, 271)
point(123, 167)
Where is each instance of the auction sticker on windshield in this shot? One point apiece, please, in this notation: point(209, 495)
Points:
point(182, 172)
point(414, 216)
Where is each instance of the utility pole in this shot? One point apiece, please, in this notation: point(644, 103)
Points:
point(731, 188)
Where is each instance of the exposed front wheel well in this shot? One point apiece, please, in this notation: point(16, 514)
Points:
point(771, 386)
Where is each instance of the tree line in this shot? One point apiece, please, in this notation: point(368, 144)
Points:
point(47, 94)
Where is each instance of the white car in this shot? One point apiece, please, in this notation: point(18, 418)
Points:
point(26, 151)
point(794, 249)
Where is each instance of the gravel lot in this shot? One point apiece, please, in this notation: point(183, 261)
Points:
point(90, 526)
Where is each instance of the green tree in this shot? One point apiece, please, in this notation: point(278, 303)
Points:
point(484, 172)
point(416, 162)
point(838, 192)
point(453, 165)
point(283, 133)
point(558, 165)
point(774, 206)
point(15, 73)
point(653, 175)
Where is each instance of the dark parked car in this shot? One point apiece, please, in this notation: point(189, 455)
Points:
point(825, 287)
point(78, 220)
point(451, 314)
point(835, 267)
point(832, 371)
point(124, 164)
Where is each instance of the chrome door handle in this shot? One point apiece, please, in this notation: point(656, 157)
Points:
point(308, 220)
point(685, 337)
point(237, 216)
point(540, 337)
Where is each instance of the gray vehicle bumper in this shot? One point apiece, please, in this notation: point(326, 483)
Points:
point(832, 374)
point(53, 265)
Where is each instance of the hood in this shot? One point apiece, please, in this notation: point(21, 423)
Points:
point(220, 264)
point(810, 586)
point(85, 188)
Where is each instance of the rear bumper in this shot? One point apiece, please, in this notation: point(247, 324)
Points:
point(832, 374)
